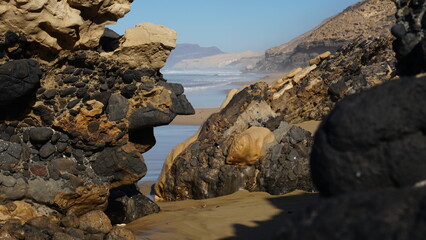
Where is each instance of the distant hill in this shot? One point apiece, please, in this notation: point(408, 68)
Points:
point(366, 18)
point(236, 61)
point(190, 51)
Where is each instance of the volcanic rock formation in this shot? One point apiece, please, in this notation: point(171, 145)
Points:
point(73, 126)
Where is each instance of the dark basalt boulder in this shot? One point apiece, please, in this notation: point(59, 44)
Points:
point(383, 214)
point(373, 140)
point(19, 81)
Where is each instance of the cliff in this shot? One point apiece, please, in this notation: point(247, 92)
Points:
point(235, 61)
point(76, 113)
point(366, 18)
point(185, 51)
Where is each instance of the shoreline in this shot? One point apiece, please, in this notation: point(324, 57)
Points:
point(243, 214)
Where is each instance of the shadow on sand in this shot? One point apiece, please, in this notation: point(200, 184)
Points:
point(289, 206)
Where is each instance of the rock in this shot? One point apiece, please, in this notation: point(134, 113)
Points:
point(149, 117)
point(127, 204)
point(373, 140)
point(198, 168)
point(372, 215)
point(47, 150)
point(40, 135)
point(95, 222)
point(248, 147)
point(19, 210)
point(409, 44)
point(117, 107)
point(123, 165)
point(72, 24)
point(19, 80)
point(154, 41)
point(366, 19)
point(118, 233)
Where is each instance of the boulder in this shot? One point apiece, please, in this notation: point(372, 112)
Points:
point(264, 153)
point(58, 25)
point(373, 140)
point(249, 146)
point(95, 222)
point(145, 46)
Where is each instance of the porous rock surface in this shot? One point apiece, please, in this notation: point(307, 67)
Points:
point(73, 126)
point(58, 25)
point(199, 168)
point(367, 144)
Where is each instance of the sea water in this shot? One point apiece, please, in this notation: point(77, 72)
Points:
point(203, 89)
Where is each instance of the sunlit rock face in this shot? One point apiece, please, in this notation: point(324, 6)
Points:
point(146, 45)
point(74, 121)
point(61, 25)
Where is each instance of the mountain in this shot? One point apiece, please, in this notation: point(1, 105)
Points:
point(190, 51)
point(222, 61)
point(366, 18)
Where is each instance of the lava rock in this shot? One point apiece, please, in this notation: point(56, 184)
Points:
point(150, 117)
point(372, 140)
point(19, 81)
point(117, 107)
point(40, 135)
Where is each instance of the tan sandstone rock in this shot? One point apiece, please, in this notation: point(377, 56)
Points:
point(95, 222)
point(248, 147)
point(119, 233)
point(17, 210)
point(59, 25)
point(145, 46)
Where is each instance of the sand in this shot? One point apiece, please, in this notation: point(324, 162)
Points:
point(242, 215)
point(199, 118)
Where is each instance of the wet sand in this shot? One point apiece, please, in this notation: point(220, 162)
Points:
point(242, 215)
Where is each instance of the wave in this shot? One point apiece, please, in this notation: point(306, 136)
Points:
point(205, 86)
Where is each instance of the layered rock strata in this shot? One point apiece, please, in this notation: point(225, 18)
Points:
point(367, 18)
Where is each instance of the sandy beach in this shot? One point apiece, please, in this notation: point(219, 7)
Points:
point(242, 215)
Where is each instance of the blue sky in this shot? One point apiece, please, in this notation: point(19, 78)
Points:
point(233, 25)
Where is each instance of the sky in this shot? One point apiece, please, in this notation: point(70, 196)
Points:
point(233, 25)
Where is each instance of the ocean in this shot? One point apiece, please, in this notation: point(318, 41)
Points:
point(204, 89)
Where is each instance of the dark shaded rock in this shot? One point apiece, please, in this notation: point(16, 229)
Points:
point(383, 214)
point(126, 204)
point(117, 107)
point(70, 79)
point(149, 117)
point(67, 91)
point(93, 126)
point(109, 40)
point(176, 88)
point(372, 140)
point(410, 43)
point(102, 97)
point(117, 163)
point(129, 90)
point(19, 81)
point(40, 135)
point(73, 103)
point(49, 94)
point(181, 105)
point(46, 115)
